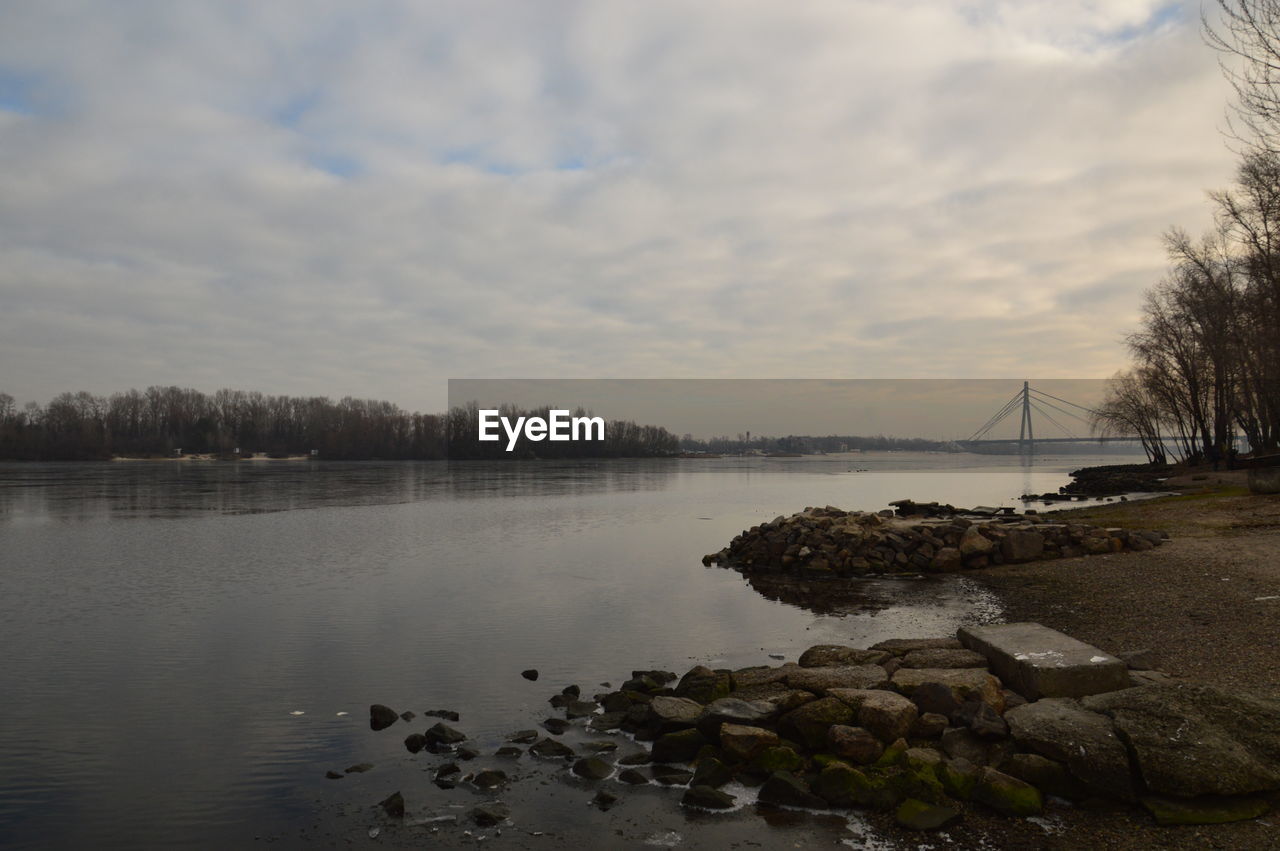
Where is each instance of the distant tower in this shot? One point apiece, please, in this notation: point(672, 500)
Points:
point(1027, 435)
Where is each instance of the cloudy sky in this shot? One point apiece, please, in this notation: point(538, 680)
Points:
point(342, 198)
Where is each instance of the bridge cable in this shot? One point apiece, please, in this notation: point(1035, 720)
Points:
point(1009, 407)
point(1045, 414)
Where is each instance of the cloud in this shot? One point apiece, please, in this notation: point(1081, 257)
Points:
point(366, 199)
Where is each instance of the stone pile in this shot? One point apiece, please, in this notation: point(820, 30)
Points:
point(831, 542)
point(919, 727)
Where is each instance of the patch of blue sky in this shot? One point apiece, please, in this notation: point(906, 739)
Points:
point(339, 165)
point(1168, 14)
point(479, 160)
point(21, 92)
point(291, 113)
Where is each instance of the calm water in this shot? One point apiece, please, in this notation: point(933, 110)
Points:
point(162, 621)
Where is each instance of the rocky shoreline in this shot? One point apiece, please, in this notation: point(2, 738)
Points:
point(927, 729)
point(916, 538)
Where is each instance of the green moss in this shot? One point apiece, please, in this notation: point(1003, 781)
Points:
point(1206, 810)
point(1008, 795)
point(771, 760)
point(893, 754)
point(958, 780)
point(838, 784)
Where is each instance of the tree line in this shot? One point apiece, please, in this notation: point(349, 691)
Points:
point(1206, 357)
point(725, 445)
point(160, 421)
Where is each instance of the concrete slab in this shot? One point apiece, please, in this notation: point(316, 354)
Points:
point(1037, 662)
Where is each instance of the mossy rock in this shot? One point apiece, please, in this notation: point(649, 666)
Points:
point(1007, 795)
point(682, 746)
point(809, 723)
point(959, 777)
point(920, 815)
point(771, 760)
point(838, 784)
point(893, 755)
point(1204, 810)
point(711, 772)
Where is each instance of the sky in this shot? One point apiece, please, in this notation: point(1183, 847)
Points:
point(367, 199)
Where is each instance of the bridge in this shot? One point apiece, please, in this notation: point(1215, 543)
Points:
point(1024, 402)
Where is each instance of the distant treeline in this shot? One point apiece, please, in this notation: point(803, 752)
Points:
point(160, 421)
point(807, 445)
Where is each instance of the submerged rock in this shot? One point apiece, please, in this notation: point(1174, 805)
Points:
point(918, 815)
point(707, 798)
point(490, 813)
point(393, 805)
point(786, 790)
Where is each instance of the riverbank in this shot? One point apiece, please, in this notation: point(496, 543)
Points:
point(1207, 604)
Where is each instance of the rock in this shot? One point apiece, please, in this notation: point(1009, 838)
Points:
point(465, 752)
point(604, 799)
point(822, 680)
point(579, 709)
point(555, 726)
point(774, 759)
point(637, 758)
point(838, 784)
point(523, 737)
point(894, 754)
point(360, 768)
point(839, 655)
point(741, 743)
point(1190, 740)
point(674, 713)
point(707, 798)
point(855, 744)
point(961, 743)
point(334, 775)
point(393, 805)
point(1204, 810)
point(408, 715)
point(886, 714)
point(974, 543)
point(601, 746)
point(1021, 545)
point(551, 749)
point(902, 646)
point(930, 725)
point(947, 560)
point(531, 674)
point(509, 752)
point(732, 710)
point(381, 717)
point(917, 815)
point(978, 716)
point(1049, 776)
point(703, 685)
point(490, 778)
point(1006, 794)
point(809, 723)
point(446, 714)
point(607, 721)
point(1036, 661)
point(923, 759)
point(937, 657)
point(592, 768)
point(783, 789)
point(442, 734)
point(669, 776)
point(935, 699)
point(962, 682)
point(1061, 729)
point(758, 676)
point(632, 777)
point(490, 813)
point(572, 692)
point(415, 742)
point(711, 772)
point(958, 777)
point(681, 746)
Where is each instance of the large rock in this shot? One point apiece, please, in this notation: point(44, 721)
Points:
point(732, 710)
point(381, 717)
point(902, 646)
point(829, 655)
point(783, 789)
point(1060, 728)
point(1021, 545)
point(1006, 794)
point(887, 714)
point(1190, 739)
point(809, 723)
point(974, 543)
point(855, 744)
point(703, 684)
point(822, 680)
point(681, 746)
point(740, 742)
point(1036, 661)
point(1207, 810)
point(939, 657)
point(674, 713)
point(707, 798)
point(962, 682)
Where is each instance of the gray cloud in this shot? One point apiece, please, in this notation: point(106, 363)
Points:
point(369, 198)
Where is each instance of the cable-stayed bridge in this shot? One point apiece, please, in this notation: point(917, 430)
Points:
point(1029, 400)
